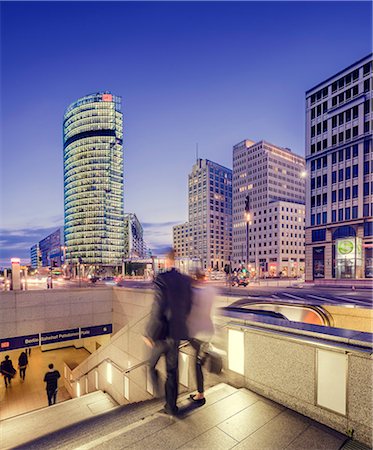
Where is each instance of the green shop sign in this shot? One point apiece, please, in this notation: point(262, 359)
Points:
point(346, 247)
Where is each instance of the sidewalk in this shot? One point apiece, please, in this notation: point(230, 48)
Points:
point(29, 395)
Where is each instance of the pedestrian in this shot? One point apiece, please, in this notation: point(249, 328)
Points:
point(167, 326)
point(22, 365)
point(7, 370)
point(51, 378)
point(201, 329)
point(29, 351)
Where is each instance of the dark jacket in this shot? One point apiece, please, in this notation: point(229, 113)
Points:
point(7, 368)
point(22, 360)
point(51, 379)
point(171, 306)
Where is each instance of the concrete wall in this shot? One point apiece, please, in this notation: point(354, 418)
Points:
point(29, 312)
point(285, 369)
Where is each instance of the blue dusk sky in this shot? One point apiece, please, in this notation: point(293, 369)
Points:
point(212, 73)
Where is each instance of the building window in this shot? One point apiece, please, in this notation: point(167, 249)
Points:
point(325, 161)
point(368, 229)
point(348, 153)
point(312, 219)
point(324, 217)
point(366, 146)
point(334, 139)
point(312, 183)
point(334, 196)
point(348, 173)
point(325, 179)
point(355, 191)
point(355, 112)
point(318, 182)
point(366, 210)
point(366, 167)
point(340, 195)
point(313, 165)
point(340, 214)
point(334, 157)
point(347, 213)
point(319, 235)
point(366, 189)
point(355, 171)
point(355, 131)
point(354, 212)
point(340, 175)
point(348, 193)
point(325, 198)
point(334, 215)
point(355, 151)
point(318, 219)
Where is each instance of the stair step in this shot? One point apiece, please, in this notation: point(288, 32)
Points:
point(49, 419)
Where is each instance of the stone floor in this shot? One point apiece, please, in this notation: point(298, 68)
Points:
point(29, 395)
point(231, 418)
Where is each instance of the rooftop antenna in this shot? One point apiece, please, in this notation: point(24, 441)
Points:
point(197, 152)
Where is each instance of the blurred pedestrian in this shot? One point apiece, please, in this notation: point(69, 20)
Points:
point(22, 365)
point(51, 378)
point(28, 351)
point(167, 326)
point(201, 329)
point(7, 370)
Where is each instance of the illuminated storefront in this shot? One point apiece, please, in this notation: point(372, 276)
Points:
point(93, 180)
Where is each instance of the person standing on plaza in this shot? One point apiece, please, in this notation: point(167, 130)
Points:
point(22, 365)
point(201, 329)
point(167, 326)
point(51, 378)
point(7, 370)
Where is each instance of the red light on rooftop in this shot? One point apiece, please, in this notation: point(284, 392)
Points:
point(15, 260)
point(107, 98)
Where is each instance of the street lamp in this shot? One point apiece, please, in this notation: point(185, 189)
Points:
point(248, 217)
point(303, 174)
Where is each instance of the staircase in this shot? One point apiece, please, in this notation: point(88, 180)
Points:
point(231, 418)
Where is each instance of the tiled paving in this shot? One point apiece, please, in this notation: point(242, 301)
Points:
point(29, 395)
point(231, 418)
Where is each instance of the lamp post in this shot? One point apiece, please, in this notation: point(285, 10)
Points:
point(247, 216)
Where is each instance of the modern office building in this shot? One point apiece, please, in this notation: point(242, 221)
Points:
point(268, 209)
point(339, 199)
point(35, 256)
point(181, 240)
point(52, 249)
point(134, 245)
point(93, 180)
point(207, 236)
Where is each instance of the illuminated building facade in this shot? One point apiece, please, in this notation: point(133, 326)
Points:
point(93, 180)
point(51, 249)
point(35, 256)
point(268, 209)
point(207, 236)
point(134, 245)
point(339, 190)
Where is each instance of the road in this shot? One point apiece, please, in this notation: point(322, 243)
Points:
point(309, 295)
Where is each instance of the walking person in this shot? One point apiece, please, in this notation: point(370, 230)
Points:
point(51, 378)
point(201, 330)
point(7, 370)
point(22, 365)
point(167, 326)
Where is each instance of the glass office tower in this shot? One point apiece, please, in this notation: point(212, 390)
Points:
point(93, 180)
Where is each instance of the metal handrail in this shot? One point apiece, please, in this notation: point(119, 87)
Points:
point(121, 370)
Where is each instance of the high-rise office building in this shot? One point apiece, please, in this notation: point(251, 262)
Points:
point(339, 154)
point(134, 245)
point(208, 232)
point(52, 250)
point(93, 180)
point(268, 209)
point(35, 256)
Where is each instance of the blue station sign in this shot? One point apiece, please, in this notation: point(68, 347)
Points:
point(51, 337)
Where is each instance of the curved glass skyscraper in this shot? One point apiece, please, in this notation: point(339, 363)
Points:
point(93, 180)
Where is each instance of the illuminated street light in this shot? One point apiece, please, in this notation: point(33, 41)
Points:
point(303, 174)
